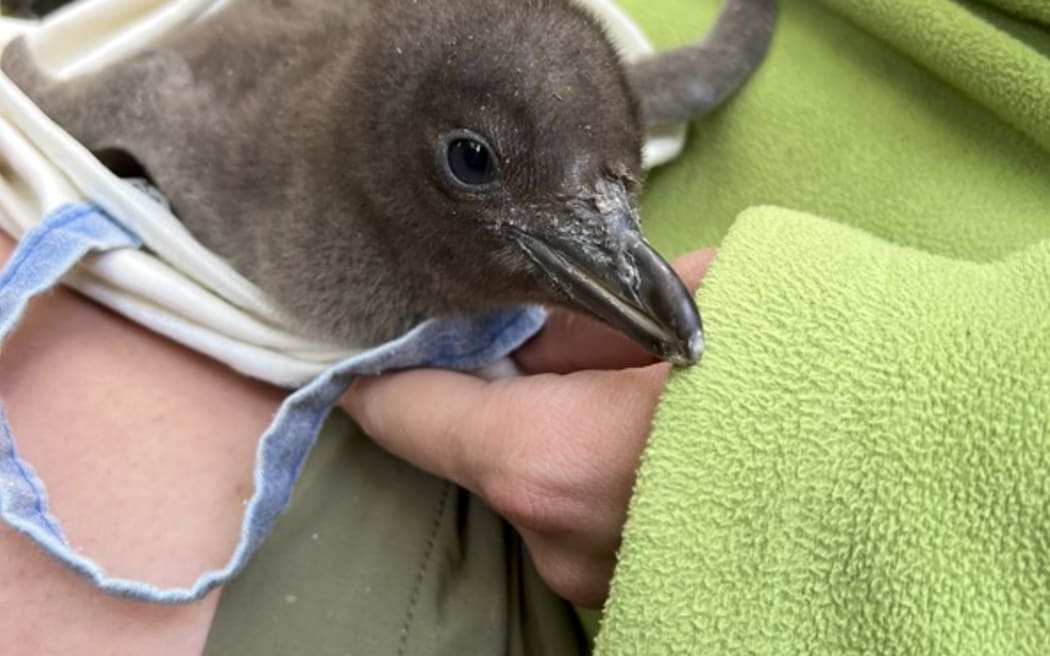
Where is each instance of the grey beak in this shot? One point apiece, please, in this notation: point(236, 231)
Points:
point(627, 285)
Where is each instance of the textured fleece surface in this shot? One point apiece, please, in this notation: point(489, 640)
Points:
point(861, 462)
point(840, 124)
point(1038, 10)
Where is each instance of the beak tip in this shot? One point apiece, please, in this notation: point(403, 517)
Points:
point(696, 346)
point(690, 355)
point(652, 305)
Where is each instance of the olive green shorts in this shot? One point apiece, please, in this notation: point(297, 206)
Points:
point(377, 557)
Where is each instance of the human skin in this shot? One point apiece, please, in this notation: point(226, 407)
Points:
point(148, 449)
point(554, 452)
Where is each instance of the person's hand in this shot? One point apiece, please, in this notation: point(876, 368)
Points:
point(554, 452)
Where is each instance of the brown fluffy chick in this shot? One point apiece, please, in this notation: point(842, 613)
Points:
point(372, 164)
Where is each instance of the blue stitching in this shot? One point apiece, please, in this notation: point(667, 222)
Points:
point(34, 237)
point(315, 428)
point(38, 500)
point(65, 215)
point(498, 333)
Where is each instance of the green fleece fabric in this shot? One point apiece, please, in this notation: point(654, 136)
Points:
point(861, 462)
point(1038, 10)
point(839, 124)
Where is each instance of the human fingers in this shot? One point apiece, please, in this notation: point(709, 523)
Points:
point(555, 455)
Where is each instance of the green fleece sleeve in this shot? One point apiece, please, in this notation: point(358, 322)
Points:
point(1034, 10)
point(860, 463)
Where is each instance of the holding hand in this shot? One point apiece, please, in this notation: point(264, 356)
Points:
point(554, 452)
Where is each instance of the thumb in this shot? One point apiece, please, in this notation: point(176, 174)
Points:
point(436, 420)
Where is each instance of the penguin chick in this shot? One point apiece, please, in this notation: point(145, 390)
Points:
point(371, 164)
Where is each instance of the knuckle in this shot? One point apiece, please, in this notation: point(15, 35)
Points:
point(526, 502)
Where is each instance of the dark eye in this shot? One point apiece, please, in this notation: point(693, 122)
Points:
point(471, 162)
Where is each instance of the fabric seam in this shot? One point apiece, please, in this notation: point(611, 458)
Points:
point(421, 572)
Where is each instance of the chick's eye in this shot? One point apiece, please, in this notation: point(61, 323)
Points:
point(471, 162)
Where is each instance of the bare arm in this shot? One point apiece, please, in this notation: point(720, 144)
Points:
point(147, 449)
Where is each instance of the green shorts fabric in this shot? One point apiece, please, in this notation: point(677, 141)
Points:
point(376, 557)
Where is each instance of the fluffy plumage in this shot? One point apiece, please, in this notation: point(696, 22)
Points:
point(308, 143)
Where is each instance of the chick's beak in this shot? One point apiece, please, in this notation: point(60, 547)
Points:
point(599, 263)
